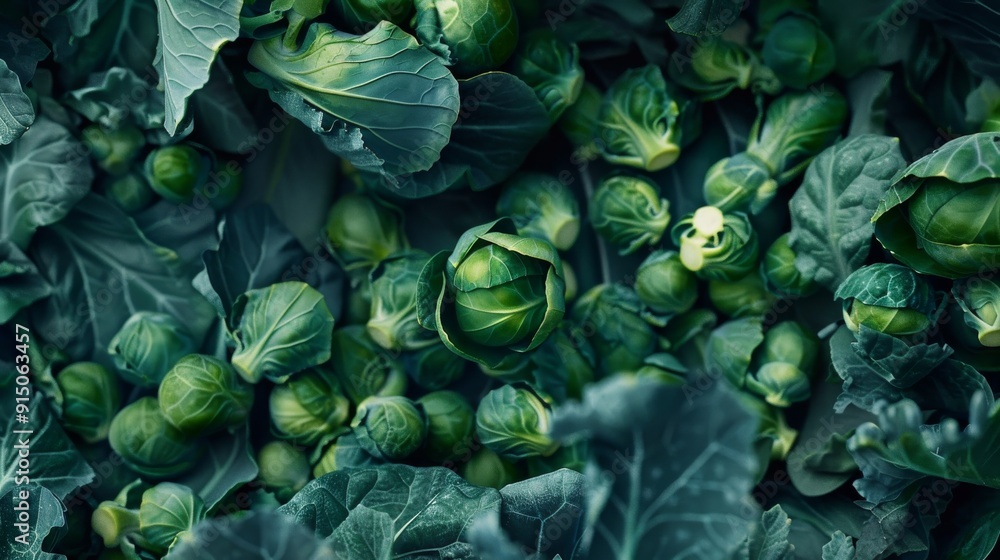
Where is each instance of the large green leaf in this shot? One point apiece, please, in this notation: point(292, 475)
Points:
point(545, 514)
point(45, 513)
point(768, 540)
point(100, 100)
point(223, 121)
point(429, 507)
point(20, 283)
point(867, 33)
point(191, 34)
point(103, 269)
point(705, 17)
point(973, 26)
point(259, 534)
point(44, 173)
point(366, 534)
point(16, 112)
point(831, 211)
point(730, 348)
point(680, 478)
point(228, 463)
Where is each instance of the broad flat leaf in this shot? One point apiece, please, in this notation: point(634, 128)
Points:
point(898, 363)
point(20, 283)
point(222, 120)
point(430, 507)
point(705, 17)
point(359, 89)
point(682, 476)
point(100, 100)
point(488, 540)
point(545, 514)
point(840, 547)
point(768, 539)
point(103, 268)
point(43, 175)
point(730, 348)
point(976, 527)
point(831, 212)
point(16, 112)
point(45, 512)
point(366, 534)
point(228, 464)
point(21, 54)
point(903, 525)
point(868, 96)
point(973, 26)
point(187, 229)
point(191, 34)
point(867, 33)
point(262, 535)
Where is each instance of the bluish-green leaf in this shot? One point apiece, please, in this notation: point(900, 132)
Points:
point(101, 100)
point(840, 547)
point(546, 514)
point(260, 535)
point(366, 534)
point(228, 464)
point(45, 513)
point(768, 540)
point(20, 283)
point(16, 112)
point(705, 17)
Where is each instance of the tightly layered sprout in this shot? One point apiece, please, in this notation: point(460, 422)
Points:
point(473, 35)
point(148, 345)
point(887, 298)
point(629, 213)
point(717, 246)
point(541, 207)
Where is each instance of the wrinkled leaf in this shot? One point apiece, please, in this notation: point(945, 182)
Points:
point(259, 534)
point(545, 514)
point(16, 112)
point(20, 283)
point(101, 100)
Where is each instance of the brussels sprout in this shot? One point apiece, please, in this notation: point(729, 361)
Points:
point(496, 296)
point(341, 452)
point(717, 246)
point(775, 437)
point(475, 36)
point(284, 469)
point(740, 298)
point(113, 150)
point(573, 457)
point(629, 213)
point(149, 444)
point(116, 523)
point(451, 425)
point(390, 428)
point(771, 11)
point(129, 192)
point(434, 367)
point(148, 345)
point(979, 299)
point(640, 123)
point(939, 216)
point(175, 172)
point(486, 468)
point(202, 394)
point(362, 367)
point(580, 120)
point(609, 316)
point(798, 51)
point(717, 66)
point(361, 15)
point(664, 284)
point(168, 512)
point(392, 322)
point(783, 278)
point(782, 365)
point(513, 421)
point(552, 68)
point(90, 400)
point(888, 298)
point(363, 230)
point(308, 407)
point(737, 182)
point(541, 207)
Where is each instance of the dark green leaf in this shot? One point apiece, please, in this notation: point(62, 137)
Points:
point(20, 283)
point(16, 112)
point(23, 541)
point(768, 539)
point(228, 464)
point(223, 121)
point(366, 534)
point(259, 535)
point(101, 100)
point(545, 514)
point(973, 26)
point(840, 547)
point(705, 17)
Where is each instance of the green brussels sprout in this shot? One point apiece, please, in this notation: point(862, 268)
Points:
point(687, 336)
point(167, 514)
point(202, 394)
point(663, 368)
point(175, 172)
point(629, 213)
point(284, 469)
point(474, 36)
point(979, 299)
point(90, 400)
point(390, 428)
point(513, 421)
point(361, 15)
point(149, 444)
point(363, 230)
point(496, 296)
point(740, 298)
point(771, 11)
point(798, 51)
point(434, 367)
point(392, 322)
point(939, 216)
point(128, 191)
point(113, 150)
point(580, 120)
point(738, 182)
point(116, 521)
point(782, 366)
point(664, 284)
point(451, 425)
point(780, 272)
point(609, 316)
point(541, 207)
point(552, 68)
point(641, 121)
point(308, 407)
point(715, 67)
point(148, 345)
point(888, 298)
point(362, 367)
point(486, 468)
point(717, 246)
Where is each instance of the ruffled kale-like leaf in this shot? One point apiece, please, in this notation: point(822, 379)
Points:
point(768, 539)
point(902, 526)
point(16, 112)
point(260, 534)
point(840, 547)
point(101, 100)
point(898, 363)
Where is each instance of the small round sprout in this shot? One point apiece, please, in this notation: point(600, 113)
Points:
point(113, 150)
point(434, 367)
point(451, 425)
point(798, 51)
point(738, 183)
point(167, 514)
point(541, 207)
point(129, 192)
point(90, 400)
point(175, 172)
point(552, 68)
point(475, 36)
point(308, 407)
point(718, 66)
point(783, 277)
point(664, 284)
point(148, 345)
point(979, 299)
point(629, 212)
point(486, 468)
point(513, 421)
point(392, 321)
point(149, 444)
point(740, 298)
point(390, 428)
point(362, 15)
point(782, 366)
point(364, 230)
point(888, 298)
point(284, 469)
point(717, 246)
point(203, 394)
point(609, 315)
point(362, 367)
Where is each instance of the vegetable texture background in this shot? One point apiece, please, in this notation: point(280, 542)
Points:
point(499, 279)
